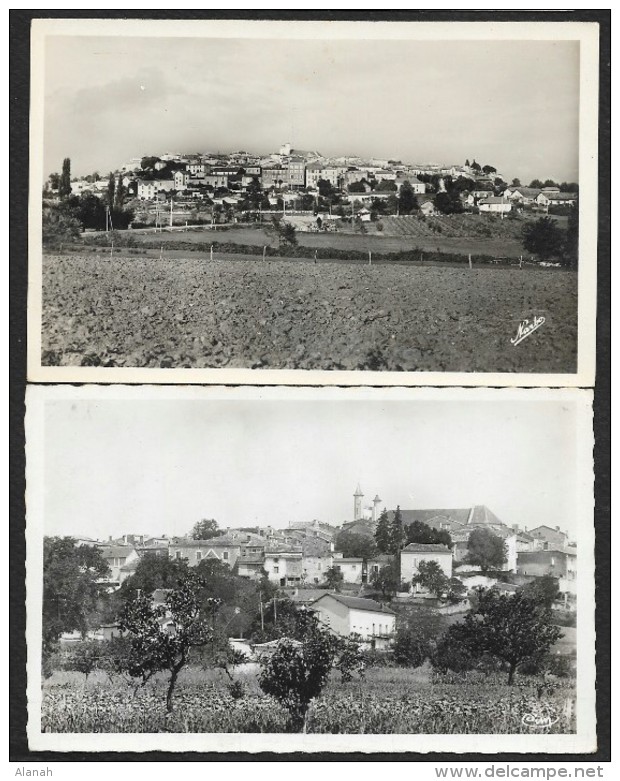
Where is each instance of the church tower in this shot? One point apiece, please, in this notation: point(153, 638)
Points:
point(375, 508)
point(357, 503)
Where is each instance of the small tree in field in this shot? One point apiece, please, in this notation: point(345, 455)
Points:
point(511, 627)
point(285, 232)
point(162, 637)
point(543, 238)
point(85, 657)
point(295, 675)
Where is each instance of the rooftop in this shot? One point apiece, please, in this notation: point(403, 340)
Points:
point(430, 547)
point(358, 603)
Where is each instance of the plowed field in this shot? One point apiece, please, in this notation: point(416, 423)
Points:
point(274, 314)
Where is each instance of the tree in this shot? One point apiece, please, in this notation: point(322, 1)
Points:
point(448, 203)
point(111, 190)
point(475, 166)
point(382, 532)
point(410, 650)
point(205, 529)
point(489, 169)
point(285, 232)
point(296, 674)
point(485, 550)
point(431, 577)
point(353, 545)
point(162, 637)
point(467, 163)
point(148, 162)
point(423, 533)
point(516, 182)
point(357, 187)
point(120, 194)
point(84, 657)
point(407, 202)
point(350, 658)
point(544, 591)
point(543, 238)
point(549, 183)
point(70, 586)
point(89, 210)
point(64, 184)
point(536, 184)
point(54, 181)
point(334, 577)
point(511, 627)
point(569, 187)
point(387, 578)
point(154, 571)
point(386, 186)
point(59, 225)
point(397, 532)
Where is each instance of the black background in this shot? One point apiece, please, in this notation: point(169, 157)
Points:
point(19, 57)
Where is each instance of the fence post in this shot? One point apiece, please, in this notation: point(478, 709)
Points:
point(520, 261)
point(369, 258)
point(211, 253)
point(264, 251)
point(469, 258)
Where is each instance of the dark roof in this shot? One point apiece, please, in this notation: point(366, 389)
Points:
point(474, 516)
point(358, 603)
point(426, 547)
point(116, 551)
point(561, 196)
point(216, 542)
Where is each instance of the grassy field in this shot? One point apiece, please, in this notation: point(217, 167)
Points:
point(375, 242)
point(388, 701)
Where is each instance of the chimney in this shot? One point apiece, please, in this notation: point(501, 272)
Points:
point(110, 538)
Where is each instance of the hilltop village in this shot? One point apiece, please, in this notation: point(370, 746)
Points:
point(375, 556)
point(314, 192)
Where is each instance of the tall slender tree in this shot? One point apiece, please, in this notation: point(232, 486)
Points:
point(397, 532)
point(111, 189)
point(64, 184)
point(382, 532)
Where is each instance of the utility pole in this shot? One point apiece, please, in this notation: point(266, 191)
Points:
point(262, 615)
point(275, 611)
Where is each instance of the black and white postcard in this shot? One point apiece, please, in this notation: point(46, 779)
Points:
point(292, 569)
point(305, 202)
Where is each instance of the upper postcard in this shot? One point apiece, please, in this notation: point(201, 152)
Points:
point(311, 202)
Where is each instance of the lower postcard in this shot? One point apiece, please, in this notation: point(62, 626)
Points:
point(220, 569)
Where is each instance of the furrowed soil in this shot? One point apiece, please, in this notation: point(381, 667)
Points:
point(242, 311)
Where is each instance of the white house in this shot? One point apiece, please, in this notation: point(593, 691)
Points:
point(149, 189)
point(285, 568)
point(415, 553)
point(180, 180)
point(346, 616)
point(495, 205)
point(117, 557)
point(351, 569)
point(547, 199)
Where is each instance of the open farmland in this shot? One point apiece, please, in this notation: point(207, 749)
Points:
point(388, 701)
point(246, 312)
point(462, 234)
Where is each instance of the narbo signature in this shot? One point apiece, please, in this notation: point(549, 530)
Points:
point(526, 328)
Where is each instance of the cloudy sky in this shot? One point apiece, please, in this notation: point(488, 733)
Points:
point(157, 465)
point(511, 104)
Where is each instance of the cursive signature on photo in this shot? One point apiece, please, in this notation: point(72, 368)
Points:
point(526, 328)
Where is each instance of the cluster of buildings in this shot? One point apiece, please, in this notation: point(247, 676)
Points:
point(300, 555)
point(297, 558)
point(283, 176)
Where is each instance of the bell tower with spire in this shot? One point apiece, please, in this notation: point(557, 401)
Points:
point(357, 503)
point(375, 508)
